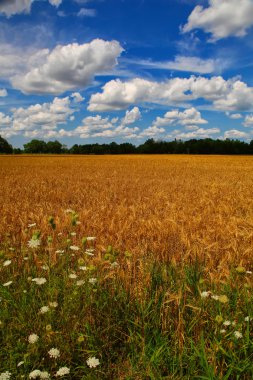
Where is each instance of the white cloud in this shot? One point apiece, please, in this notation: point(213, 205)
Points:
point(188, 117)
point(38, 119)
point(3, 93)
point(67, 67)
point(77, 97)
point(235, 134)
point(5, 121)
point(12, 7)
point(184, 63)
point(238, 97)
point(131, 116)
point(56, 3)
point(87, 12)
point(222, 18)
point(227, 95)
point(152, 131)
point(248, 122)
point(200, 133)
point(234, 116)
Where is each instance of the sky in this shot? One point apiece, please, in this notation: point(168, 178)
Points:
point(86, 71)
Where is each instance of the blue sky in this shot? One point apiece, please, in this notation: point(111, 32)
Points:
point(83, 71)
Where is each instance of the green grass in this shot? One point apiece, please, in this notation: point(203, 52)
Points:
point(143, 319)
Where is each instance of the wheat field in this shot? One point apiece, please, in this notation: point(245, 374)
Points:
point(126, 268)
point(177, 207)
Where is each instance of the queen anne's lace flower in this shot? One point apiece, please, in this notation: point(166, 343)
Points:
point(238, 335)
point(54, 353)
point(34, 374)
point(5, 375)
point(62, 371)
point(33, 243)
point(44, 309)
point(92, 362)
point(39, 280)
point(6, 263)
point(33, 338)
point(7, 284)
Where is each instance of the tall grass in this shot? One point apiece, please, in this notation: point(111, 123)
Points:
point(140, 317)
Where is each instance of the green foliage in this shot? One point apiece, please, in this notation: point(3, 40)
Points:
point(5, 147)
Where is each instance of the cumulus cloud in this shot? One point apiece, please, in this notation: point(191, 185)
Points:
point(67, 67)
point(222, 18)
point(188, 117)
point(199, 133)
point(41, 120)
point(234, 116)
point(227, 95)
point(3, 93)
point(12, 7)
point(248, 122)
point(77, 97)
point(235, 134)
point(238, 97)
point(152, 131)
point(131, 116)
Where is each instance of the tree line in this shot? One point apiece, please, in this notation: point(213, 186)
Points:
point(193, 146)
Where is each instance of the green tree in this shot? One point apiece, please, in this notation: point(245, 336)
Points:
point(5, 147)
point(35, 146)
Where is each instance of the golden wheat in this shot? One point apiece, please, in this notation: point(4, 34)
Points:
point(175, 207)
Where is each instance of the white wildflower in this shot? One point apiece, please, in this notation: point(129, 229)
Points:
point(5, 375)
point(6, 263)
point(248, 319)
point(205, 294)
point(44, 309)
point(8, 284)
point(33, 243)
point(59, 251)
point(26, 258)
point(54, 353)
point(92, 281)
point(214, 297)
point(226, 323)
point(53, 304)
point(74, 248)
point(80, 282)
point(91, 238)
point(45, 267)
point(62, 371)
point(92, 362)
point(249, 272)
point(31, 225)
point(73, 233)
point(33, 338)
point(83, 268)
point(78, 222)
point(238, 335)
point(44, 375)
point(72, 275)
point(34, 374)
point(39, 280)
point(20, 363)
point(222, 331)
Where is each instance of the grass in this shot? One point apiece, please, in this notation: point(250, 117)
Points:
point(142, 318)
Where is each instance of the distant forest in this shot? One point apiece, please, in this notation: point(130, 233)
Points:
point(203, 146)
